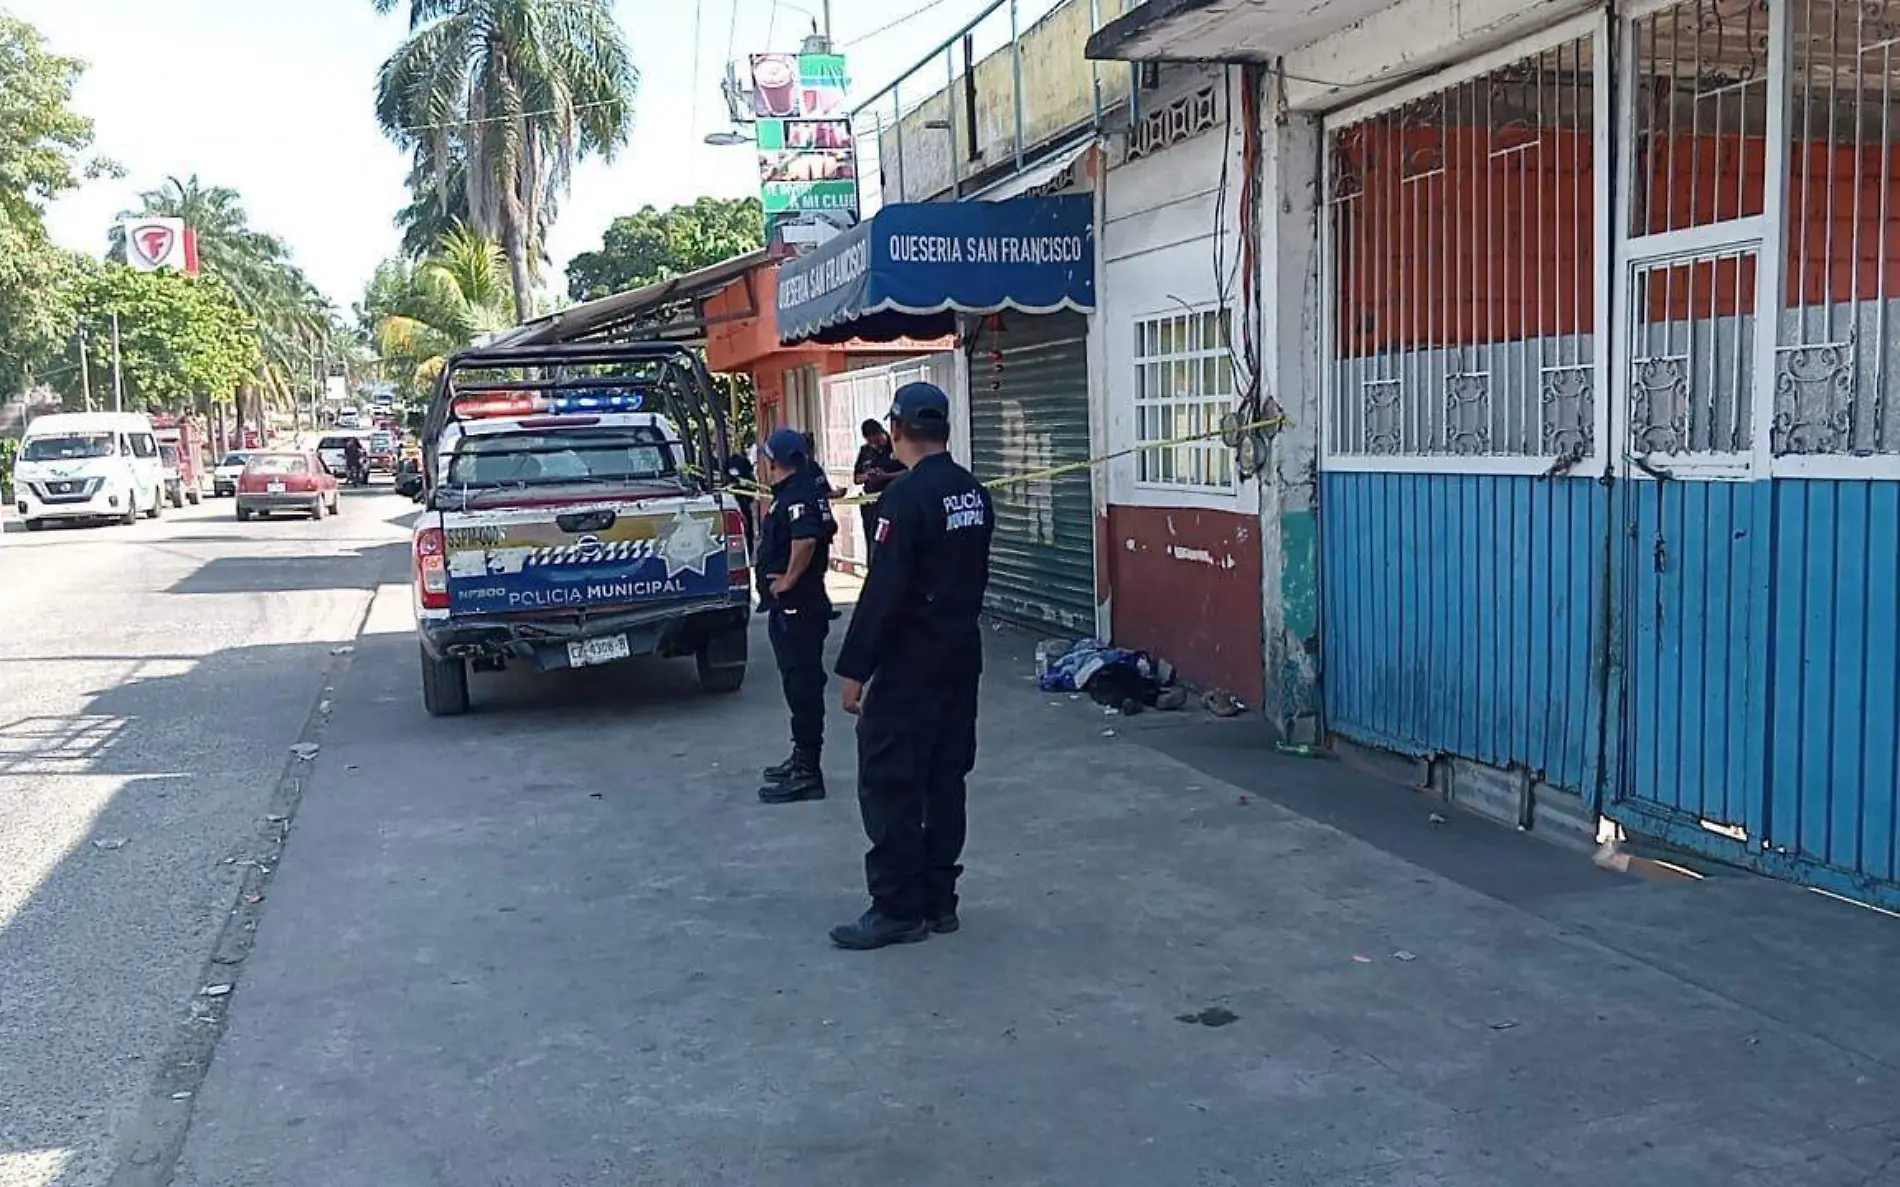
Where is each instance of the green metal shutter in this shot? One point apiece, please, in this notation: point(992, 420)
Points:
point(1029, 410)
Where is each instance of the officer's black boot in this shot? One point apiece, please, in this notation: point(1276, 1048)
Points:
point(780, 771)
point(804, 781)
point(874, 929)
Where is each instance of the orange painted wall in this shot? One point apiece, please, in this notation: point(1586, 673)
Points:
point(1482, 248)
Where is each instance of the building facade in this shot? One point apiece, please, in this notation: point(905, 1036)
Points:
point(1597, 399)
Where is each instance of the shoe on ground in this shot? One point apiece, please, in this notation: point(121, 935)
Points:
point(803, 782)
point(876, 930)
point(943, 925)
point(782, 770)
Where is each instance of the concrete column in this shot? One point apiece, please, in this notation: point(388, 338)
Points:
point(1290, 348)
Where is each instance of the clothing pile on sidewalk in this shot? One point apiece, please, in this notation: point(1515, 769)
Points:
point(1115, 676)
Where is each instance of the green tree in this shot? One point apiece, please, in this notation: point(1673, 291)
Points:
point(41, 142)
point(419, 314)
point(652, 244)
point(291, 319)
point(184, 343)
point(521, 89)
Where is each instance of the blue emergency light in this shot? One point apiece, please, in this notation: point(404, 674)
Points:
point(598, 401)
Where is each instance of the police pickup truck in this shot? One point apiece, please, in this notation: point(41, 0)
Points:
point(571, 519)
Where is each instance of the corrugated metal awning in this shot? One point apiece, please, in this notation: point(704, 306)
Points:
point(593, 319)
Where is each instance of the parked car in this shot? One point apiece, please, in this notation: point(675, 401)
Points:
point(282, 480)
point(224, 478)
point(88, 466)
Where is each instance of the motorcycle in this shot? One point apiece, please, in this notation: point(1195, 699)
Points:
point(358, 471)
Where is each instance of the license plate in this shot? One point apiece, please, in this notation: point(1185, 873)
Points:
point(274, 488)
point(604, 650)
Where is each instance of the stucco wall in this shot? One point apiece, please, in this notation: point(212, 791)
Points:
point(1058, 95)
point(1181, 568)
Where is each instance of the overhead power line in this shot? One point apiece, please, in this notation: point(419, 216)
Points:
point(502, 119)
point(913, 14)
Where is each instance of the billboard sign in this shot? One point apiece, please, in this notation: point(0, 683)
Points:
point(154, 243)
point(808, 164)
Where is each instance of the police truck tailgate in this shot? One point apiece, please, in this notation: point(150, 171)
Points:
point(584, 555)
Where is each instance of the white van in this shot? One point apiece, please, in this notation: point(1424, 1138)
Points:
point(88, 465)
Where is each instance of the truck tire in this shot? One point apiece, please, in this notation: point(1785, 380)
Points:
point(718, 678)
point(444, 685)
point(157, 509)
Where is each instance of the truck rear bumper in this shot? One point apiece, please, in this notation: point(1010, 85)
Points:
point(542, 641)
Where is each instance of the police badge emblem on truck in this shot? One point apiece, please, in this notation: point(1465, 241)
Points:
point(686, 544)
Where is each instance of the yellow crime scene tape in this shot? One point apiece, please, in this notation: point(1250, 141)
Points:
point(756, 491)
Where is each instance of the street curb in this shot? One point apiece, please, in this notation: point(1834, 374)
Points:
point(147, 1151)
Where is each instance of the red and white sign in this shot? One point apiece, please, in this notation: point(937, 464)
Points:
point(154, 243)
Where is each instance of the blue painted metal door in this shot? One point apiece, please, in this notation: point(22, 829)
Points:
point(1693, 658)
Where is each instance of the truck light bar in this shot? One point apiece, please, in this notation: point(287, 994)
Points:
point(489, 405)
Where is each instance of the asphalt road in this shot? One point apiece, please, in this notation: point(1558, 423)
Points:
point(152, 679)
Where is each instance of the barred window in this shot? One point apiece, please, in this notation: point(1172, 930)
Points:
point(1184, 384)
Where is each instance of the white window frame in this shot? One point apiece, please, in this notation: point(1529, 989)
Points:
point(1605, 392)
point(1230, 402)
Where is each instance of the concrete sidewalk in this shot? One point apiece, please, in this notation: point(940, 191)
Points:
point(558, 942)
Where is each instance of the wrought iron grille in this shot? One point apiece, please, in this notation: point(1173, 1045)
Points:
point(1837, 347)
point(1692, 355)
point(1463, 271)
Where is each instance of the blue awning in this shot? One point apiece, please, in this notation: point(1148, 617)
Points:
point(911, 268)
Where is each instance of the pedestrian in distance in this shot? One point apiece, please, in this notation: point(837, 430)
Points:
point(876, 467)
point(911, 662)
point(794, 555)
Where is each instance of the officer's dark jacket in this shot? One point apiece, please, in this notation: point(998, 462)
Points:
point(916, 619)
point(801, 510)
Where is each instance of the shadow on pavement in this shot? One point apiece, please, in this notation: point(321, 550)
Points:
point(289, 574)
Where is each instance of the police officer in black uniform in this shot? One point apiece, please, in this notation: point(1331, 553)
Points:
point(876, 468)
point(915, 640)
point(794, 554)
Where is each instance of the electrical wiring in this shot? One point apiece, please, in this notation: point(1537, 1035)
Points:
point(883, 29)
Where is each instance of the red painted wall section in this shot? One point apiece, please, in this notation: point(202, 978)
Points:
point(1186, 588)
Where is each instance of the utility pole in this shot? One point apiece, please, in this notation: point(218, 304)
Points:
point(118, 374)
point(85, 373)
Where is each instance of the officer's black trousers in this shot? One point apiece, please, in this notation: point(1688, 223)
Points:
point(915, 749)
point(798, 643)
point(868, 514)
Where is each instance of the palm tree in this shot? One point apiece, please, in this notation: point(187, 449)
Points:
point(289, 316)
point(423, 313)
point(519, 90)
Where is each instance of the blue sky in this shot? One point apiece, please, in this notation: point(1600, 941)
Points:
point(272, 98)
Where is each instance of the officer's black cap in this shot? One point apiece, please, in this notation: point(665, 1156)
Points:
point(920, 403)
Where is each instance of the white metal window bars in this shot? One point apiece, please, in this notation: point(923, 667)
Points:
point(1836, 395)
point(1701, 121)
point(1465, 311)
point(1184, 385)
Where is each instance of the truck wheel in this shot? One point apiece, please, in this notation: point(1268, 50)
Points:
point(244, 514)
point(718, 677)
point(444, 685)
point(131, 515)
point(157, 509)
point(35, 525)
